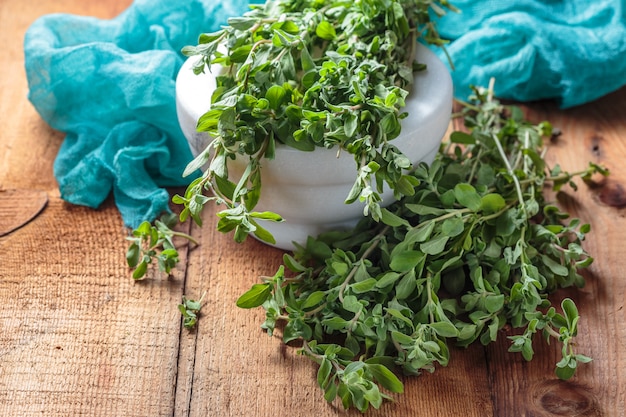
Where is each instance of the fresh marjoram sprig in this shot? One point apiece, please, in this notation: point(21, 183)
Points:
point(475, 248)
point(154, 242)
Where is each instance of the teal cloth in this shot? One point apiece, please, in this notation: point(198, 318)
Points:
point(110, 84)
point(573, 51)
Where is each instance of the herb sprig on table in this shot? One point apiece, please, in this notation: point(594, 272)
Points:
point(476, 247)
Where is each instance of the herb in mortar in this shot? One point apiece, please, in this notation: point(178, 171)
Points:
point(306, 74)
point(475, 247)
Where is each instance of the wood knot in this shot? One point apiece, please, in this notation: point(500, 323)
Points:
point(596, 145)
point(563, 398)
point(613, 194)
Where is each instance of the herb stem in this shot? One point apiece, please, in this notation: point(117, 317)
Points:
point(446, 216)
point(466, 105)
point(185, 236)
point(316, 310)
point(365, 255)
point(260, 23)
point(429, 290)
point(552, 332)
point(317, 357)
point(518, 187)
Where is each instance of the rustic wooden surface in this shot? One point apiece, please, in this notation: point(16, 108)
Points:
point(79, 338)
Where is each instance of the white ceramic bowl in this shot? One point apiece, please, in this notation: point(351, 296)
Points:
point(309, 188)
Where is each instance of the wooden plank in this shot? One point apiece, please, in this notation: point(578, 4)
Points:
point(77, 335)
point(591, 133)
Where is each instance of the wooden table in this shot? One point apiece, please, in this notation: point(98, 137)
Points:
point(79, 338)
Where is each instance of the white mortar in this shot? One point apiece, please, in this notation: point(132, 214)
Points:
point(309, 188)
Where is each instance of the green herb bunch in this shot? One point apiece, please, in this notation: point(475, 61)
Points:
point(306, 74)
point(475, 247)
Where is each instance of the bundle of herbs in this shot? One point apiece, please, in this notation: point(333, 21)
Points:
point(306, 74)
point(474, 247)
point(471, 246)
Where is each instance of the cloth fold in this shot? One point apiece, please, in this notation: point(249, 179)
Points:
point(110, 84)
point(573, 51)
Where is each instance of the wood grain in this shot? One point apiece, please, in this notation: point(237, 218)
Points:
point(18, 207)
point(79, 338)
point(77, 335)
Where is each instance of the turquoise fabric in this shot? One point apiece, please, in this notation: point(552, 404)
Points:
point(573, 51)
point(110, 84)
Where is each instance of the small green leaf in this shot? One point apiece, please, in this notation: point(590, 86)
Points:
point(444, 329)
point(492, 203)
point(453, 227)
point(393, 220)
point(263, 234)
point(401, 338)
point(398, 315)
point(132, 255)
point(352, 304)
point(466, 195)
point(255, 296)
point(240, 54)
point(140, 271)
point(494, 303)
point(406, 185)
point(435, 246)
point(386, 378)
point(313, 300)
point(406, 286)
point(570, 311)
point(241, 23)
point(291, 263)
point(406, 261)
point(565, 372)
point(266, 215)
point(554, 266)
point(323, 373)
point(275, 95)
point(326, 30)
point(424, 210)
point(462, 138)
point(331, 392)
point(421, 233)
point(363, 286)
point(387, 279)
point(335, 323)
point(307, 62)
point(144, 229)
point(351, 124)
point(391, 100)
